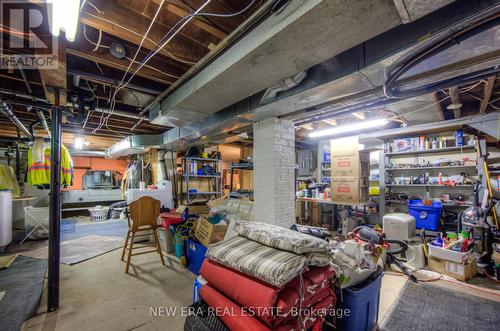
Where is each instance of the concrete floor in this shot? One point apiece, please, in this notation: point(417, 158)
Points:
point(98, 295)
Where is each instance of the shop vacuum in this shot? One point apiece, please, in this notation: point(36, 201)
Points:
point(475, 221)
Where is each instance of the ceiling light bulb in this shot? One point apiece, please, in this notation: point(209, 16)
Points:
point(348, 128)
point(65, 18)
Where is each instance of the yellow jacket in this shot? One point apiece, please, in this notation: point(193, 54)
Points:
point(39, 172)
point(8, 180)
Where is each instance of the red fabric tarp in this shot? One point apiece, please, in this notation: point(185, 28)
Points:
point(270, 304)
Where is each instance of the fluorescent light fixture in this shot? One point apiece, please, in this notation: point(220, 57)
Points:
point(348, 128)
point(65, 18)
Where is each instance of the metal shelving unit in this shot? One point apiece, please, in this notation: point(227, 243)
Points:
point(232, 168)
point(386, 157)
point(190, 167)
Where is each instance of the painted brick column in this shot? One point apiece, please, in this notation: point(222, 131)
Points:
point(274, 172)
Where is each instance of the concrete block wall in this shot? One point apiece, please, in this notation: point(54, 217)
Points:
point(274, 172)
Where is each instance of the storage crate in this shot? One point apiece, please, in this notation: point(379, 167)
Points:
point(447, 254)
point(166, 238)
point(195, 255)
point(363, 305)
point(426, 217)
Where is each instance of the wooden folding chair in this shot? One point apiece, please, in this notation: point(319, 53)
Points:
point(142, 216)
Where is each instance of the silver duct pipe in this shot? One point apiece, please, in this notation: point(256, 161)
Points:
point(77, 152)
point(44, 121)
point(6, 110)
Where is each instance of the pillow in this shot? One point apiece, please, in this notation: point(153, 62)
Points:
point(281, 238)
point(271, 265)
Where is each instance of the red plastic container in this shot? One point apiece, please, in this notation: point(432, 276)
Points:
point(168, 219)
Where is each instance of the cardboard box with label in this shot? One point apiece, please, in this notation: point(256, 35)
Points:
point(458, 271)
point(208, 233)
point(347, 160)
point(349, 190)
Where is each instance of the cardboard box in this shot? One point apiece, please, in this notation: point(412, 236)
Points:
point(347, 160)
point(353, 165)
point(199, 184)
point(349, 190)
point(208, 233)
point(194, 209)
point(458, 271)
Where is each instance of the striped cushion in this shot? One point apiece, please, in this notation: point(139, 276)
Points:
point(281, 238)
point(273, 266)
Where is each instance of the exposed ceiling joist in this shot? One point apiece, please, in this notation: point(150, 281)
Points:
point(197, 21)
point(107, 59)
point(131, 26)
point(488, 89)
point(54, 81)
point(455, 101)
point(438, 106)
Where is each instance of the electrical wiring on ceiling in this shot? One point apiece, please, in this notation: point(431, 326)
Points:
point(113, 99)
point(169, 35)
point(434, 47)
point(97, 46)
point(160, 45)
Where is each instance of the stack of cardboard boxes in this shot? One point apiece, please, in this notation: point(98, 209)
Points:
point(350, 169)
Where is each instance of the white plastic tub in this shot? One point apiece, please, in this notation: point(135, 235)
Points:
point(5, 218)
point(447, 254)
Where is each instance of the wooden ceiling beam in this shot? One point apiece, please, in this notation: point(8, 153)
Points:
point(488, 89)
point(197, 21)
point(455, 100)
point(438, 106)
point(105, 58)
point(130, 26)
point(54, 80)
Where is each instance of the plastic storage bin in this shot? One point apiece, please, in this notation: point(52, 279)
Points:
point(195, 255)
point(363, 305)
point(198, 283)
point(68, 226)
point(426, 217)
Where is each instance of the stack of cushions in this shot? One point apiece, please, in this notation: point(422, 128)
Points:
point(269, 278)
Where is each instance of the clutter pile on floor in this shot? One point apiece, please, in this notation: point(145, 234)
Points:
point(269, 278)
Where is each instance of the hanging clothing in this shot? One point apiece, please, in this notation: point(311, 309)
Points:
point(39, 172)
point(8, 180)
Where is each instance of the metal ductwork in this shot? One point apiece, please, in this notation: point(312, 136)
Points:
point(43, 121)
point(136, 144)
point(6, 110)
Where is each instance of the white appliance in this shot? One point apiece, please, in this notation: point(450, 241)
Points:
point(399, 226)
point(164, 196)
point(5, 219)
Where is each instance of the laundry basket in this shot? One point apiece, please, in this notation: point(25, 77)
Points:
point(36, 222)
point(98, 213)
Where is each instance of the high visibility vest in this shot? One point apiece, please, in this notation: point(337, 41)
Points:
point(39, 172)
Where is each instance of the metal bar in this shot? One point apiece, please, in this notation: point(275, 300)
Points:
point(55, 208)
point(44, 121)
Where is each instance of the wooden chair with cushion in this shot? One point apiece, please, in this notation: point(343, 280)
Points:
point(142, 219)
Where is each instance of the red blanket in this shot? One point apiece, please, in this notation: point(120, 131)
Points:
point(269, 303)
point(237, 318)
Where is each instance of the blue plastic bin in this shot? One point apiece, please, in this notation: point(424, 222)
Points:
point(426, 217)
point(363, 305)
point(67, 226)
point(195, 255)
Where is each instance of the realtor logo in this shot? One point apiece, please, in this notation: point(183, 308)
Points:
point(25, 39)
